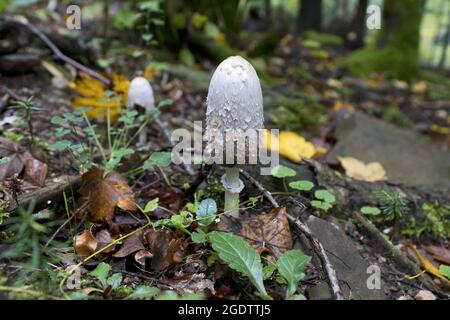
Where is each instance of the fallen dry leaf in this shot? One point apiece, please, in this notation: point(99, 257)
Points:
point(21, 162)
point(265, 232)
point(92, 93)
point(356, 169)
point(425, 295)
point(85, 243)
point(165, 248)
point(439, 254)
point(141, 255)
point(419, 87)
point(190, 283)
point(104, 194)
point(290, 145)
point(426, 264)
point(35, 172)
point(103, 239)
point(130, 245)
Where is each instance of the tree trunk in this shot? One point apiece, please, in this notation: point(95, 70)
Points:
point(310, 15)
point(444, 51)
point(355, 39)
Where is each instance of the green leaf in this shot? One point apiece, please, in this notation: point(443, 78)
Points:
point(269, 270)
point(115, 280)
point(101, 273)
point(186, 57)
point(151, 205)
point(160, 159)
point(58, 120)
point(199, 237)
point(445, 270)
point(143, 293)
point(297, 297)
point(325, 206)
point(291, 266)
point(5, 160)
point(325, 195)
point(165, 102)
point(370, 210)
point(302, 185)
point(206, 212)
point(60, 145)
point(182, 220)
point(283, 172)
point(240, 256)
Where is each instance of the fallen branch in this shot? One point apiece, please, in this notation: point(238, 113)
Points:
point(51, 192)
point(56, 50)
point(399, 259)
point(317, 246)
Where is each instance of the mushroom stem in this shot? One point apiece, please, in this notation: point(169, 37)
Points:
point(232, 186)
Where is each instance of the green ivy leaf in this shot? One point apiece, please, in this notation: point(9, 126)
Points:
point(445, 270)
point(269, 270)
point(101, 273)
point(151, 205)
point(160, 159)
point(60, 145)
point(199, 237)
point(302, 185)
point(325, 206)
point(370, 210)
point(291, 266)
point(206, 212)
point(325, 195)
point(143, 293)
point(240, 256)
point(5, 160)
point(115, 280)
point(283, 172)
point(165, 102)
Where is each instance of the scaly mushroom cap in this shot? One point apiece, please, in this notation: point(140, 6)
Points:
point(234, 103)
point(141, 93)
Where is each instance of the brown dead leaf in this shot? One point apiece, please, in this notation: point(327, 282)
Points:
point(35, 172)
point(21, 161)
point(426, 264)
point(190, 283)
point(141, 255)
point(440, 254)
point(85, 243)
point(104, 194)
point(130, 245)
point(265, 232)
point(357, 169)
point(103, 239)
point(165, 247)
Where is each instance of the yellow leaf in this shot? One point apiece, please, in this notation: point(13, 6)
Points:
point(426, 264)
point(419, 87)
point(357, 169)
point(290, 145)
point(92, 94)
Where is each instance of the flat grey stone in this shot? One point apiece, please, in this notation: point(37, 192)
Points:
point(351, 268)
point(406, 156)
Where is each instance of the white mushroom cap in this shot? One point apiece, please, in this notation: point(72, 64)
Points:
point(141, 93)
point(234, 101)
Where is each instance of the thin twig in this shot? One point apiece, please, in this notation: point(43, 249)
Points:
point(58, 52)
point(317, 246)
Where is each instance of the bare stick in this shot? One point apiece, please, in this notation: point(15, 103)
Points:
point(58, 52)
point(317, 246)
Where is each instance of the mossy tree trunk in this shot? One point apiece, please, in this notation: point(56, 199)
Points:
point(398, 45)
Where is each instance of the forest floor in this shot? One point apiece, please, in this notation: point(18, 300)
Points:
point(378, 144)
